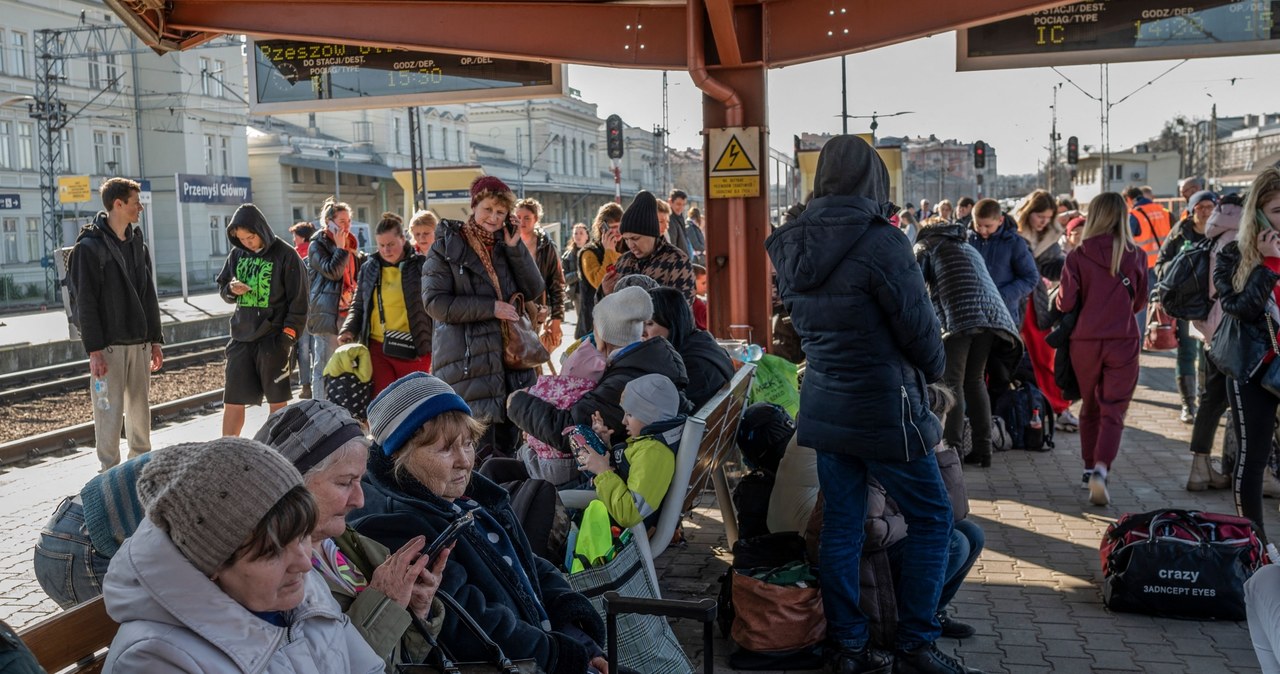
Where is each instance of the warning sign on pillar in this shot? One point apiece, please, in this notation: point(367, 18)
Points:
point(734, 153)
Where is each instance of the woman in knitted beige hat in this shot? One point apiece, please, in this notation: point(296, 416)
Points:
point(218, 578)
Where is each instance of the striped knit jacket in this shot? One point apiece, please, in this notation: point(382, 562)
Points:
point(112, 510)
point(667, 265)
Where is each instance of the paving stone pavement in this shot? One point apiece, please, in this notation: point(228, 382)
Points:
point(1033, 595)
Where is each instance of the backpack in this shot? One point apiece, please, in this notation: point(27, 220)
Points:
point(751, 501)
point(1018, 407)
point(70, 291)
point(1185, 289)
point(542, 517)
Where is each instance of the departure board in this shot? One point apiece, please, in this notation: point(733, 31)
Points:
point(1113, 31)
point(293, 76)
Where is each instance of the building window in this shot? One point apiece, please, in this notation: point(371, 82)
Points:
point(19, 41)
point(208, 153)
point(35, 240)
point(217, 236)
point(225, 152)
point(431, 141)
point(95, 70)
point(26, 146)
point(111, 72)
point(460, 146)
point(359, 180)
point(215, 78)
point(317, 176)
point(117, 153)
point(293, 174)
point(6, 152)
point(100, 152)
point(2, 52)
point(564, 155)
point(205, 67)
point(10, 239)
point(397, 142)
point(297, 214)
point(68, 163)
point(362, 214)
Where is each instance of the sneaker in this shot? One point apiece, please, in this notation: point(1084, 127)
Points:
point(1084, 479)
point(954, 629)
point(929, 660)
point(1068, 422)
point(1098, 494)
point(867, 660)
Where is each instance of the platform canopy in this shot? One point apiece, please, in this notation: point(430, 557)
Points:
point(627, 34)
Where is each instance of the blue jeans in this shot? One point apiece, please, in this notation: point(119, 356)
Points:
point(303, 352)
point(967, 541)
point(322, 348)
point(67, 566)
point(917, 488)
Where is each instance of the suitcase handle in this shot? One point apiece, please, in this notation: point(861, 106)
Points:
point(703, 610)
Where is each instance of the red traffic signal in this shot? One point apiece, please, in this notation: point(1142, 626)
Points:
point(979, 154)
point(613, 136)
point(1073, 150)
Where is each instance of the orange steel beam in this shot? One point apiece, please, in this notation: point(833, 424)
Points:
point(720, 13)
point(640, 36)
point(631, 35)
point(800, 31)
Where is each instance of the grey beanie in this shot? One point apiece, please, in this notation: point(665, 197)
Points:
point(619, 318)
point(640, 281)
point(307, 432)
point(651, 398)
point(407, 405)
point(210, 496)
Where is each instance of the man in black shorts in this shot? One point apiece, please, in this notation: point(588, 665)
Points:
point(265, 279)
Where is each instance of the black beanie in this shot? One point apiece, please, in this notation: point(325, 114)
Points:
point(641, 217)
point(763, 435)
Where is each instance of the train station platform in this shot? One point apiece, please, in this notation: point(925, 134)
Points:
point(42, 338)
point(1034, 595)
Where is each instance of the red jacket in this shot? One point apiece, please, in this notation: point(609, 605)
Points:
point(1107, 308)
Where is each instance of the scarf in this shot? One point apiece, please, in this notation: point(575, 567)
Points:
point(337, 569)
point(1044, 240)
point(482, 242)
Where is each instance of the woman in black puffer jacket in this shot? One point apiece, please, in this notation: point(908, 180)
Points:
point(976, 327)
point(707, 363)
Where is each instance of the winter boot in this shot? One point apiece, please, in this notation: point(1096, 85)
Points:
point(1203, 476)
point(305, 393)
point(1187, 389)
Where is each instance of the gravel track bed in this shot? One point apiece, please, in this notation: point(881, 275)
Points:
point(50, 413)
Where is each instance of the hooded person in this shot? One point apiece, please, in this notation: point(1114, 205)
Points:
point(265, 279)
point(707, 363)
point(864, 404)
point(619, 335)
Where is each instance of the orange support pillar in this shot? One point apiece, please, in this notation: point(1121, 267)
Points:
point(740, 276)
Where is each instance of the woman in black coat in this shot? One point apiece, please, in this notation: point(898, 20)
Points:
point(707, 363)
point(470, 276)
point(976, 327)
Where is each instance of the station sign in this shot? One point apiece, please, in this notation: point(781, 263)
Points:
point(1115, 31)
point(735, 169)
point(297, 76)
point(74, 189)
point(228, 190)
point(10, 202)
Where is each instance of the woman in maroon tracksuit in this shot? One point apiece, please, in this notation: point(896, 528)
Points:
point(1106, 277)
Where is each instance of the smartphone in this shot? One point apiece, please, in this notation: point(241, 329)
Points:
point(582, 436)
point(449, 535)
point(511, 226)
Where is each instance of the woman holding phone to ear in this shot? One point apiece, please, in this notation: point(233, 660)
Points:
point(1245, 275)
point(471, 274)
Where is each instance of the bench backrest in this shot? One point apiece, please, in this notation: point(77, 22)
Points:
point(75, 638)
point(707, 437)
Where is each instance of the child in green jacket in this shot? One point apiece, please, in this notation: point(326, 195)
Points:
point(633, 484)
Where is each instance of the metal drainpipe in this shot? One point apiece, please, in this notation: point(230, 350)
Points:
point(737, 207)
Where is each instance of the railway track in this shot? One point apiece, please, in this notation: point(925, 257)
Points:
point(29, 384)
point(67, 438)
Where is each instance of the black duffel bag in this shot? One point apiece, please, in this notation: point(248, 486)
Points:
point(1179, 564)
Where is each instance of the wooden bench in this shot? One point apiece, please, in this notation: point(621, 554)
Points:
point(74, 640)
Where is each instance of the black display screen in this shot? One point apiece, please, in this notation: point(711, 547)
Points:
point(1165, 25)
point(289, 71)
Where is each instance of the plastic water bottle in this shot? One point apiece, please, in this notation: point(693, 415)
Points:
point(1036, 423)
point(1272, 554)
point(748, 353)
point(100, 399)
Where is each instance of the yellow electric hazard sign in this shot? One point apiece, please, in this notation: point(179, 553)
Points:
point(734, 158)
point(736, 171)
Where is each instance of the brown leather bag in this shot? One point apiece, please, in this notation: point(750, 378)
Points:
point(770, 617)
point(521, 348)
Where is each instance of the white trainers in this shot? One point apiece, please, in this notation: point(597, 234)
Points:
point(1068, 422)
point(1098, 494)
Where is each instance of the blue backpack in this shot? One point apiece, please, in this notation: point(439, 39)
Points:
point(1027, 416)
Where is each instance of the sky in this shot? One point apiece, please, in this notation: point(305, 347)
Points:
point(1009, 109)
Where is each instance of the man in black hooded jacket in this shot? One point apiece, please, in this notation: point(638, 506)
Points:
point(265, 279)
point(858, 301)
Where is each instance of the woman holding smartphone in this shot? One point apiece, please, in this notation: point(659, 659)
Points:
point(471, 274)
point(420, 481)
point(1245, 275)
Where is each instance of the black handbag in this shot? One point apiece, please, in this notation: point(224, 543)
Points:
point(1271, 376)
point(443, 662)
point(1179, 564)
point(395, 344)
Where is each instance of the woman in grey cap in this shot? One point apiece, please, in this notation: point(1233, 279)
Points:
point(381, 592)
point(218, 578)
